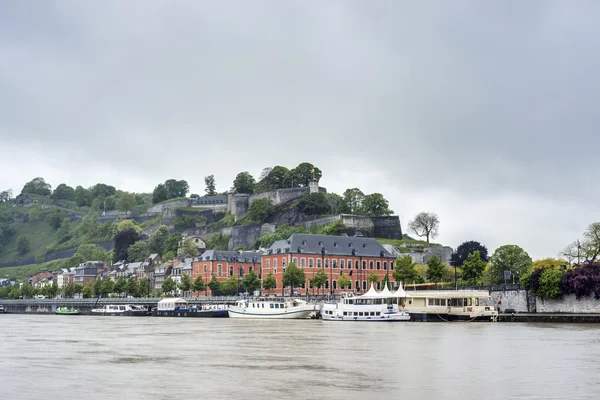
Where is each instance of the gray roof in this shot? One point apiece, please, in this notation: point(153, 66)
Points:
point(233, 256)
point(333, 245)
point(211, 200)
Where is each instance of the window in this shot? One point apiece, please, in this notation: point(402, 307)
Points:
point(378, 265)
point(250, 269)
point(311, 263)
point(302, 262)
point(327, 263)
point(334, 263)
point(357, 285)
point(372, 313)
point(378, 285)
point(272, 305)
point(345, 313)
point(326, 284)
point(356, 264)
point(334, 285)
point(268, 264)
point(360, 314)
point(377, 313)
point(341, 264)
point(318, 263)
point(219, 269)
point(349, 285)
point(275, 270)
point(385, 265)
point(364, 285)
point(355, 313)
point(364, 265)
point(281, 306)
point(295, 260)
point(476, 302)
point(205, 266)
point(241, 271)
point(231, 271)
point(197, 270)
point(283, 263)
point(370, 264)
point(275, 264)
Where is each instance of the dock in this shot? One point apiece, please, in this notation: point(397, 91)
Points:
point(550, 317)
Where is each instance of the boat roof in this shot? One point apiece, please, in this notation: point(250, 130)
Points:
point(384, 294)
point(173, 300)
point(445, 294)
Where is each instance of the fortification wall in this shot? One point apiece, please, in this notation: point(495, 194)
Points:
point(519, 300)
point(247, 235)
point(569, 304)
point(237, 204)
point(387, 227)
point(279, 196)
point(158, 208)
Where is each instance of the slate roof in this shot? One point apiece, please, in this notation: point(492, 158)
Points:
point(232, 256)
point(211, 200)
point(333, 245)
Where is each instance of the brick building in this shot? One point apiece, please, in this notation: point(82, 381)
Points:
point(355, 255)
point(223, 264)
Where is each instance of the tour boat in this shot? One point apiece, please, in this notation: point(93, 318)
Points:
point(271, 308)
point(121, 310)
point(178, 307)
point(1, 309)
point(372, 306)
point(66, 311)
point(451, 305)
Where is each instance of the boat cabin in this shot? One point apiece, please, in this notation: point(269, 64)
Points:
point(171, 304)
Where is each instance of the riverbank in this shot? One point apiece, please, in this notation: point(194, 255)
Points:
point(575, 318)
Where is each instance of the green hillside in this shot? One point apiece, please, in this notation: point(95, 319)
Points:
point(21, 273)
point(40, 235)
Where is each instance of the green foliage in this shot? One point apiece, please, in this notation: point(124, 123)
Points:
point(90, 252)
point(244, 183)
point(218, 241)
point(172, 243)
point(144, 288)
point(138, 251)
point(126, 224)
point(88, 290)
point(276, 179)
point(171, 189)
point(102, 190)
point(251, 282)
point(319, 279)
point(107, 287)
point(259, 211)
point(293, 276)
point(55, 219)
point(37, 186)
point(473, 268)
point(336, 228)
point(186, 283)
point(199, 285)
point(373, 278)
point(126, 202)
point(314, 204)
point(189, 248)
point(158, 240)
point(168, 285)
point(303, 174)
point(214, 286)
point(353, 199)
point(120, 285)
point(511, 258)
point(187, 221)
point(227, 221)
point(436, 270)
point(23, 245)
point(376, 205)
point(230, 286)
point(168, 255)
point(405, 271)
point(210, 185)
point(282, 232)
point(270, 283)
point(63, 192)
point(160, 194)
point(343, 281)
point(385, 282)
point(82, 197)
point(549, 283)
point(131, 287)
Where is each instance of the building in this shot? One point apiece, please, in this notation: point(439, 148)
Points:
point(197, 240)
point(88, 272)
point(65, 277)
point(161, 272)
point(421, 254)
point(146, 268)
point(222, 264)
point(356, 256)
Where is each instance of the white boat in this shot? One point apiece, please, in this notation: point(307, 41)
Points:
point(451, 305)
point(120, 309)
point(372, 306)
point(271, 309)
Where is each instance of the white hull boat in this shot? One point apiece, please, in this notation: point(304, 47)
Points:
point(271, 309)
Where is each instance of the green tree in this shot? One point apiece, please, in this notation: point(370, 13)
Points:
point(102, 190)
point(37, 186)
point(88, 290)
point(293, 277)
point(260, 210)
point(64, 232)
point(586, 250)
point(274, 179)
point(138, 251)
point(97, 287)
point(425, 225)
point(131, 287)
point(199, 285)
point(549, 283)
point(82, 197)
point(160, 193)
point(120, 285)
point(91, 252)
point(304, 173)
point(509, 258)
point(385, 282)
point(23, 245)
point(376, 205)
point(270, 283)
point(244, 183)
point(158, 240)
point(319, 279)
point(27, 291)
point(55, 218)
point(314, 204)
point(354, 198)
point(110, 203)
point(15, 293)
point(460, 255)
point(473, 268)
point(211, 189)
point(251, 282)
point(144, 287)
point(343, 281)
point(405, 270)
point(176, 189)
point(373, 278)
point(189, 247)
point(214, 286)
point(436, 270)
point(108, 287)
point(186, 283)
point(126, 202)
point(63, 192)
point(172, 243)
point(168, 285)
point(230, 286)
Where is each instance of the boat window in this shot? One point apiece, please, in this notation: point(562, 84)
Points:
point(122, 308)
point(355, 314)
point(360, 314)
point(377, 313)
point(263, 305)
point(470, 302)
point(272, 306)
point(350, 301)
point(345, 313)
point(281, 306)
point(372, 313)
point(476, 302)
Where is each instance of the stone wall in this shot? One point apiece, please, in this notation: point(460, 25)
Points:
point(237, 204)
point(247, 235)
point(519, 300)
point(387, 227)
point(158, 208)
point(569, 304)
point(279, 196)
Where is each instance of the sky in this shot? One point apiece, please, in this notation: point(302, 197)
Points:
point(482, 112)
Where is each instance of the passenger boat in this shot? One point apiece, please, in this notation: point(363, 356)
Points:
point(372, 306)
point(271, 308)
point(450, 305)
point(66, 311)
point(178, 307)
point(121, 310)
point(1, 309)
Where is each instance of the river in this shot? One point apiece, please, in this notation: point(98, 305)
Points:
point(85, 357)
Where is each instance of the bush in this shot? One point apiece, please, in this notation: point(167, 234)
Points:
point(583, 281)
point(314, 204)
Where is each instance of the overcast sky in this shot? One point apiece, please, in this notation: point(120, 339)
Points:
point(481, 112)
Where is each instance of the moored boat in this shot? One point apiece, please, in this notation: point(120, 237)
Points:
point(372, 306)
point(178, 307)
point(121, 310)
point(450, 305)
point(66, 311)
point(1, 309)
point(271, 308)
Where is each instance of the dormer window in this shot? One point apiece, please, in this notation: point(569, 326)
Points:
point(364, 245)
point(335, 244)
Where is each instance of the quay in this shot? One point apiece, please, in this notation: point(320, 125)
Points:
point(550, 317)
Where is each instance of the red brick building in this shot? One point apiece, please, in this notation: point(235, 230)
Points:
point(223, 264)
point(357, 257)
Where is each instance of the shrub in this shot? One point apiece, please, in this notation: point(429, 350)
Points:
point(582, 281)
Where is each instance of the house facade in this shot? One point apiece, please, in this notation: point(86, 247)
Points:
point(356, 257)
point(222, 264)
point(197, 240)
point(161, 272)
point(64, 277)
point(88, 272)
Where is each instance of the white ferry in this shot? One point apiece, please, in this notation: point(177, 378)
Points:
point(121, 309)
point(271, 309)
point(372, 306)
point(450, 305)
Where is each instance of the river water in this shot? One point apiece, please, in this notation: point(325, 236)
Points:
point(85, 357)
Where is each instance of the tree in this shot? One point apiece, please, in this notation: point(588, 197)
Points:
point(436, 270)
point(199, 285)
point(159, 239)
point(189, 248)
point(425, 224)
point(588, 249)
point(176, 189)
point(343, 281)
point(385, 282)
point(211, 189)
point(270, 283)
point(63, 192)
point(314, 204)
point(186, 283)
point(215, 287)
point(88, 290)
point(276, 179)
point(82, 197)
point(376, 205)
point(354, 198)
point(260, 210)
point(244, 183)
point(23, 245)
point(230, 286)
point(373, 278)
point(131, 287)
point(138, 251)
point(120, 285)
point(144, 287)
point(549, 263)
point(6, 195)
point(122, 240)
point(126, 202)
point(91, 252)
point(319, 279)
point(304, 173)
point(160, 193)
point(509, 258)
point(473, 268)
point(293, 277)
point(462, 252)
point(336, 228)
point(37, 186)
point(27, 290)
point(405, 270)
point(102, 190)
point(168, 285)
point(125, 225)
point(251, 282)
point(108, 287)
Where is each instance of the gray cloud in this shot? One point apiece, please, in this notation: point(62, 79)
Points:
point(480, 112)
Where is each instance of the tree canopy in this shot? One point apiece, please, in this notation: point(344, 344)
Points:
point(314, 204)
point(270, 283)
point(509, 258)
point(436, 270)
point(293, 276)
point(462, 252)
point(405, 271)
point(259, 210)
point(588, 249)
point(473, 268)
point(244, 183)
point(425, 225)
point(171, 189)
point(37, 186)
point(211, 188)
point(63, 192)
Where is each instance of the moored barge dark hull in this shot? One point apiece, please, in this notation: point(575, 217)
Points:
point(193, 314)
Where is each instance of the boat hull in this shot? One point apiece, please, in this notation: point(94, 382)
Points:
point(192, 314)
point(437, 317)
point(121, 314)
point(236, 312)
point(67, 313)
point(395, 317)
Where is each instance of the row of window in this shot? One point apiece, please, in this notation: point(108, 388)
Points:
point(357, 313)
point(220, 270)
point(376, 265)
point(452, 302)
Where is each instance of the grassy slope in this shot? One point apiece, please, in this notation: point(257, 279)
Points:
point(21, 273)
point(39, 233)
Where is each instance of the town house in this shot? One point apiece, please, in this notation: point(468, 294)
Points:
point(161, 272)
point(88, 271)
point(222, 264)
